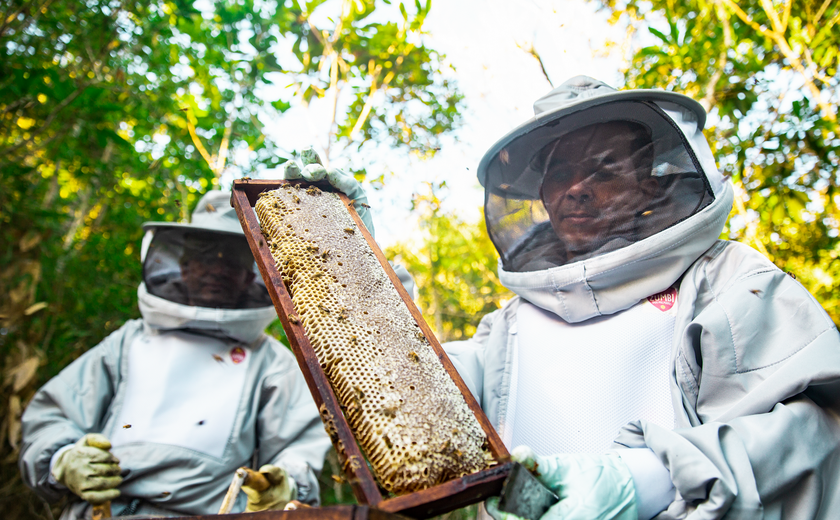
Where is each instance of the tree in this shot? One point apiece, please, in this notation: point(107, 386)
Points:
point(116, 112)
point(454, 267)
point(767, 71)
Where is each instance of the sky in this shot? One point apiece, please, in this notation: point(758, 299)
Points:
point(484, 42)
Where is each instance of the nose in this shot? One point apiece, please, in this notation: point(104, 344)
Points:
point(580, 191)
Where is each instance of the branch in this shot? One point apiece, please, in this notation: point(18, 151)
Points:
point(788, 53)
point(368, 102)
point(196, 141)
point(771, 13)
point(786, 16)
point(821, 12)
point(709, 99)
point(221, 158)
point(534, 54)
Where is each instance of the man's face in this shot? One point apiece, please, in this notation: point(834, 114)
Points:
point(217, 273)
point(597, 181)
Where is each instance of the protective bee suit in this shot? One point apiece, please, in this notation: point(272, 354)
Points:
point(190, 392)
point(635, 329)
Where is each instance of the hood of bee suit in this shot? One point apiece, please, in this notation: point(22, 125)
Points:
point(244, 325)
point(678, 212)
point(201, 276)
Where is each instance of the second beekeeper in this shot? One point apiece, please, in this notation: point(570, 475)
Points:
point(159, 415)
point(645, 367)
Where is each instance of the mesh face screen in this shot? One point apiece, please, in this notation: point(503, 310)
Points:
point(203, 269)
point(408, 416)
point(590, 183)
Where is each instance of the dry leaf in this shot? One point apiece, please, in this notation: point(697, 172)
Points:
point(14, 421)
point(32, 309)
point(29, 241)
point(23, 373)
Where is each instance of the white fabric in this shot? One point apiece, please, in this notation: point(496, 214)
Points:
point(687, 121)
point(246, 325)
point(578, 393)
point(612, 282)
point(160, 403)
point(651, 479)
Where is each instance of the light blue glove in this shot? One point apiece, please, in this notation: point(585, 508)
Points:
point(590, 486)
point(314, 171)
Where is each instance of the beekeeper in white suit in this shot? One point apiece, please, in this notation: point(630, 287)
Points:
point(645, 367)
point(158, 416)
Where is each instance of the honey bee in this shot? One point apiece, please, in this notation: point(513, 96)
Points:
point(365, 205)
point(294, 319)
point(126, 426)
point(349, 230)
point(218, 358)
point(413, 356)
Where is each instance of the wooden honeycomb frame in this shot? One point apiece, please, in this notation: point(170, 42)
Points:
point(421, 504)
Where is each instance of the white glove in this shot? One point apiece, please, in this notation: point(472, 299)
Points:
point(314, 171)
point(590, 486)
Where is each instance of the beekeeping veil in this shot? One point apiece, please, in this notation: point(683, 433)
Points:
point(595, 170)
point(206, 263)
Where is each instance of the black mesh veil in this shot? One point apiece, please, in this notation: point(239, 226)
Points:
point(588, 183)
point(203, 268)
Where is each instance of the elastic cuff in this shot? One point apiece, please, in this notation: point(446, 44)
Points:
point(59, 452)
point(652, 480)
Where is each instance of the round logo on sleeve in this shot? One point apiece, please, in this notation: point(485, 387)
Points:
point(664, 300)
point(237, 355)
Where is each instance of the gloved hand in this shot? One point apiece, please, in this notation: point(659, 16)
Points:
point(281, 491)
point(314, 171)
point(590, 486)
point(89, 470)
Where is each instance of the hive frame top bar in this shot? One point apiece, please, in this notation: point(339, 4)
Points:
point(429, 502)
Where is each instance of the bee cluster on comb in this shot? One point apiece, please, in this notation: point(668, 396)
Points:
point(408, 416)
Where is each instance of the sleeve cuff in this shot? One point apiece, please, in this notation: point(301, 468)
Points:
point(59, 452)
point(651, 479)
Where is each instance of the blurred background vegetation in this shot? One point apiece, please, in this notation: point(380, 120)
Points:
point(116, 112)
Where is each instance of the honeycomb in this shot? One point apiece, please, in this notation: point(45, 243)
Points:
point(409, 418)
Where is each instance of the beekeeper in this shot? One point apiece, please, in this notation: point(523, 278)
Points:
point(646, 367)
point(159, 415)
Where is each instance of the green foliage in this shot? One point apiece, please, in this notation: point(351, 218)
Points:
point(454, 268)
point(390, 77)
point(118, 112)
point(768, 73)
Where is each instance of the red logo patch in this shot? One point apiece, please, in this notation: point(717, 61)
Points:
point(664, 300)
point(237, 355)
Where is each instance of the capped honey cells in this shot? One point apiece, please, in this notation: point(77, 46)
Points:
point(409, 418)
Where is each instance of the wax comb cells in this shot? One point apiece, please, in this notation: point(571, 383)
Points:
point(408, 416)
